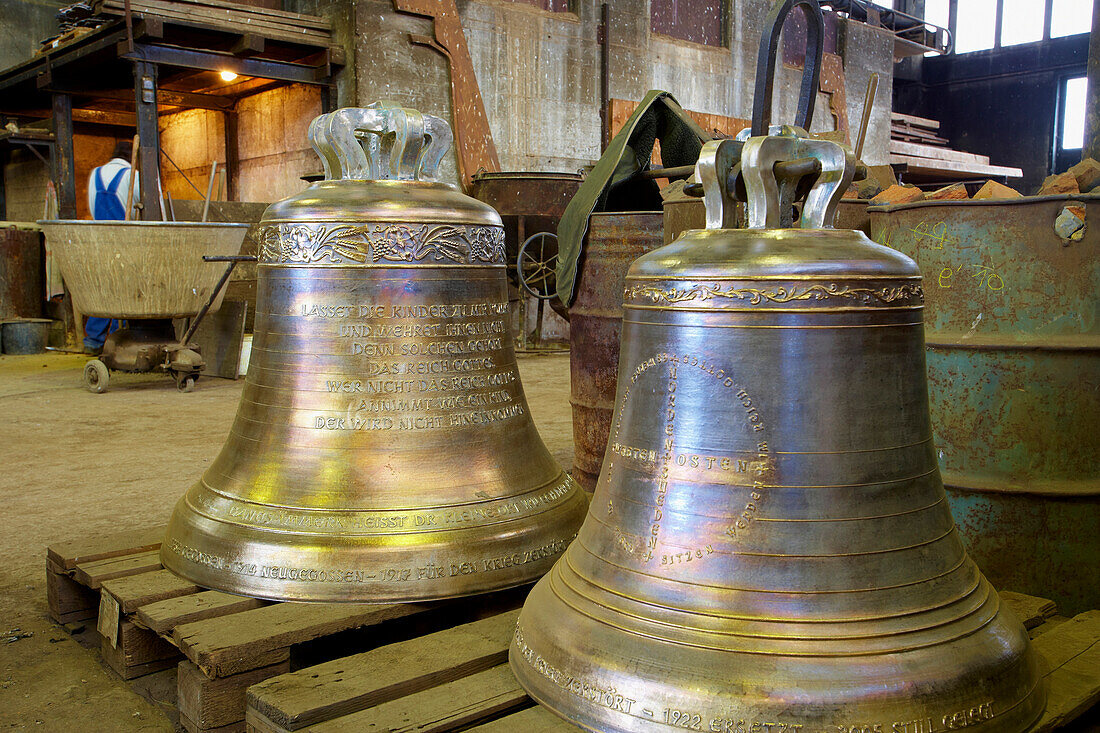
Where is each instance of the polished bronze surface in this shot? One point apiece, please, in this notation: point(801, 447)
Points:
point(769, 547)
point(383, 449)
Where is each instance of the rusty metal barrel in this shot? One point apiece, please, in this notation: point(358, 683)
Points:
point(21, 274)
point(615, 239)
point(1013, 353)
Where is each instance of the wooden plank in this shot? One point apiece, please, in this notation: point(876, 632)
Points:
point(138, 652)
point(448, 707)
point(242, 641)
point(162, 616)
point(909, 132)
point(931, 151)
point(223, 20)
point(138, 590)
point(309, 21)
point(953, 168)
point(213, 703)
point(67, 600)
point(360, 681)
point(1031, 611)
point(67, 555)
point(1073, 652)
point(914, 120)
point(92, 574)
point(191, 727)
point(536, 719)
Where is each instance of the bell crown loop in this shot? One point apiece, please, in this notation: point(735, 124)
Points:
point(765, 63)
point(382, 141)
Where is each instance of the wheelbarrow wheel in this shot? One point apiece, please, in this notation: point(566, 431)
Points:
point(185, 382)
point(96, 376)
point(537, 263)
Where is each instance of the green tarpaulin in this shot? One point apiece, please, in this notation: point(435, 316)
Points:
point(612, 185)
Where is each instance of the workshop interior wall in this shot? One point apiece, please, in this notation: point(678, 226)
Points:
point(539, 72)
point(987, 98)
point(272, 147)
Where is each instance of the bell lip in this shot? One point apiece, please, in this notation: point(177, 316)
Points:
point(773, 254)
point(556, 525)
point(535, 685)
point(384, 201)
point(380, 600)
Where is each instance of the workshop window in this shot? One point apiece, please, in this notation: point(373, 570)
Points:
point(976, 26)
point(1072, 114)
point(1022, 21)
point(553, 6)
point(698, 21)
point(1070, 17)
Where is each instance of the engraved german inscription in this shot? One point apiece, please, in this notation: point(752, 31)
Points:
point(422, 366)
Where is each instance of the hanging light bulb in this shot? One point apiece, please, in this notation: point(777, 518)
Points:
point(228, 75)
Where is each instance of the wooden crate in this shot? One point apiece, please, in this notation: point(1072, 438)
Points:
point(149, 619)
point(458, 679)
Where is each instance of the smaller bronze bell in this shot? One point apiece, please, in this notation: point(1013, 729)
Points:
point(383, 449)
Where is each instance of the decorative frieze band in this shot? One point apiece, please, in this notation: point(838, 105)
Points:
point(828, 294)
point(373, 242)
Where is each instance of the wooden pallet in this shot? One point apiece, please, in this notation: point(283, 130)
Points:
point(149, 619)
point(458, 679)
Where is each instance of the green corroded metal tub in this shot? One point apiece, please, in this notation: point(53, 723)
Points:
point(1012, 320)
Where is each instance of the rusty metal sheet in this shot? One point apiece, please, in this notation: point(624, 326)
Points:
point(21, 273)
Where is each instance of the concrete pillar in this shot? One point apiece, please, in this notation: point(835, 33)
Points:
point(1091, 148)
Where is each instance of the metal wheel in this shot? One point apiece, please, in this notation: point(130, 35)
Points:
point(537, 263)
point(96, 376)
point(185, 382)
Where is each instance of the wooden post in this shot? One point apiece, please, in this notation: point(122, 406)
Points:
point(145, 93)
point(1091, 148)
point(64, 165)
point(232, 155)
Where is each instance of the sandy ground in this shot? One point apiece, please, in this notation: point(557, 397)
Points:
point(78, 465)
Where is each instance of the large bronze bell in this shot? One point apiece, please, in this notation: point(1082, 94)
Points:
point(383, 449)
point(769, 548)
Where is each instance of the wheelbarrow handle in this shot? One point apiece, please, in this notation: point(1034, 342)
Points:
point(233, 260)
point(229, 258)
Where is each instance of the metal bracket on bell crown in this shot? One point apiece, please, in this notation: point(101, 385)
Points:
point(777, 164)
point(770, 168)
point(382, 141)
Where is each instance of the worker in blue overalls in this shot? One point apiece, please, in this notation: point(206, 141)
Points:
point(108, 187)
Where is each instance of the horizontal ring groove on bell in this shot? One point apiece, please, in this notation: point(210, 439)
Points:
point(846, 452)
point(770, 569)
point(808, 537)
point(323, 522)
point(622, 497)
point(763, 604)
point(781, 636)
point(794, 628)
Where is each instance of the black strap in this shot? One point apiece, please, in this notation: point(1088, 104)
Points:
point(765, 63)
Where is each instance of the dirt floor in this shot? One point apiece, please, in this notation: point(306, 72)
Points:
point(77, 465)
